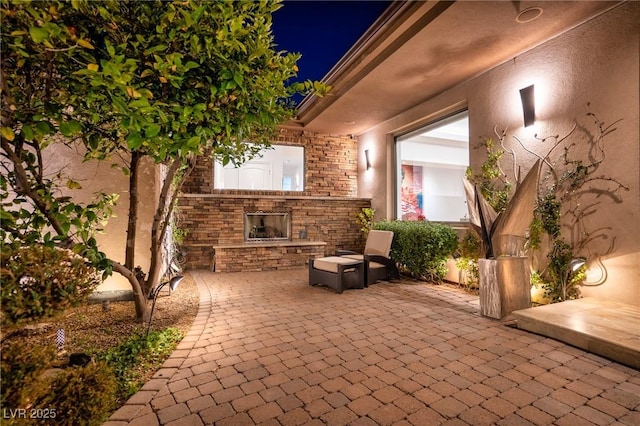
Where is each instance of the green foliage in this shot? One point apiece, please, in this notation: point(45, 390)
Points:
point(492, 182)
point(470, 250)
point(536, 231)
point(548, 212)
point(40, 281)
point(164, 78)
point(178, 233)
point(364, 218)
point(23, 223)
point(137, 352)
point(21, 366)
point(560, 282)
point(77, 395)
point(80, 395)
point(421, 248)
point(560, 207)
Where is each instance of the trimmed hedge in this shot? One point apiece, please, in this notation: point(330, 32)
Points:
point(421, 248)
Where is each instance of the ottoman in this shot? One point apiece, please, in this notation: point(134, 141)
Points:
point(339, 273)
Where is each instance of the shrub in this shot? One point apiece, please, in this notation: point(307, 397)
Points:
point(559, 281)
point(421, 248)
point(40, 281)
point(73, 396)
point(20, 367)
point(470, 250)
point(79, 395)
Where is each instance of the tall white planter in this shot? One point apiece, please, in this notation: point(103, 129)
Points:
point(505, 285)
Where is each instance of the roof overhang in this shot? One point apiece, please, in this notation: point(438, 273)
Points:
point(417, 50)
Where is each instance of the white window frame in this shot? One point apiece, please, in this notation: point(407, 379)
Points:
point(280, 162)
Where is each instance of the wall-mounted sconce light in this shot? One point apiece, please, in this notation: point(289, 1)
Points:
point(528, 105)
point(366, 156)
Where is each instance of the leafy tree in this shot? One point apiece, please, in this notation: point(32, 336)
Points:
point(161, 80)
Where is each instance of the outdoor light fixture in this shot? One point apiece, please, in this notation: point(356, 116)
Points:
point(528, 105)
point(173, 284)
point(366, 156)
point(577, 263)
point(573, 266)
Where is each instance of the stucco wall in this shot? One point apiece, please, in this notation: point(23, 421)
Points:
point(597, 63)
point(95, 176)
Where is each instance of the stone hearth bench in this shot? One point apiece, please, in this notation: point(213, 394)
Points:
point(264, 255)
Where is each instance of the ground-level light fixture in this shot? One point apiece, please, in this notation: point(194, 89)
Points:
point(577, 263)
point(173, 284)
point(573, 266)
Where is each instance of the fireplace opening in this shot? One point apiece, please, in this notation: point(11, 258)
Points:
point(267, 226)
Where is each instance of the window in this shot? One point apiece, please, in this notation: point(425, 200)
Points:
point(431, 163)
point(280, 168)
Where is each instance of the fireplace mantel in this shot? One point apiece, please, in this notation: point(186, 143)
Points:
point(250, 244)
point(273, 197)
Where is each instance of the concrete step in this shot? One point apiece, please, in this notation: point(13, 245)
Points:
point(606, 328)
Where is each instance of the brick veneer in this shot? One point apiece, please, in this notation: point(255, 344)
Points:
point(331, 167)
point(215, 219)
point(262, 258)
point(326, 209)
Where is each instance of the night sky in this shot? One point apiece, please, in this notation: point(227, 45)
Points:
point(322, 31)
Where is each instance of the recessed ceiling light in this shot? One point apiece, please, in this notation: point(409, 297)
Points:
point(349, 122)
point(529, 14)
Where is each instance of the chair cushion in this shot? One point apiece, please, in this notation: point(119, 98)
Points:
point(330, 264)
point(379, 242)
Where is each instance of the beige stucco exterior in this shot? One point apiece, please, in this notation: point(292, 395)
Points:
point(101, 176)
point(598, 63)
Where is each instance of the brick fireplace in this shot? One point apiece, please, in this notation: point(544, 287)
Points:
point(241, 230)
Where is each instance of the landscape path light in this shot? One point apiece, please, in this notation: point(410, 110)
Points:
point(173, 284)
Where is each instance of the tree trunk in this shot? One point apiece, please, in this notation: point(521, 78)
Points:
point(166, 204)
point(139, 297)
point(129, 262)
point(161, 216)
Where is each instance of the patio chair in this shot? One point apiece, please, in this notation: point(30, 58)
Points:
point(377, 259)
